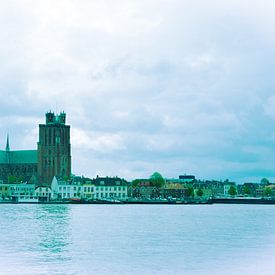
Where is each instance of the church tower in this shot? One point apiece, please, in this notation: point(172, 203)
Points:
point(54, 148)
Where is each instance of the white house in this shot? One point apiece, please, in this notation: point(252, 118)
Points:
point(22, 192)
point(43, 193)
point(64, 190)
point(110, 188)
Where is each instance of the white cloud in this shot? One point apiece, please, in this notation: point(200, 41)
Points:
point(175, 86)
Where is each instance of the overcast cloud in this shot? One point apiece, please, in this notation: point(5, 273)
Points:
point(148, 85)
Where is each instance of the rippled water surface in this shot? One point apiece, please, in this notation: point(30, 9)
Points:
point(137, 239)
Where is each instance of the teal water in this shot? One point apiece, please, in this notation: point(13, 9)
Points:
point(137, 239)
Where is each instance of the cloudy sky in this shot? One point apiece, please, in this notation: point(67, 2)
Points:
point(175, 86)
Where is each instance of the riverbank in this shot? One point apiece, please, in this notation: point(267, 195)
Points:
point(111, 202)
point(243, 201)
point(157, 201)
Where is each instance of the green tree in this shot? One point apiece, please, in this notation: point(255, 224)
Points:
point(157, 180)
point(232, 191)
point(189, 192)
point(199, 192)
point(135, 182)
point(267, 191)
point(246, 190)
point(264, 181)
point(66, 178)
point(12, 179)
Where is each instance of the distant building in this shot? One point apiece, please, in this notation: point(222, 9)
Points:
point(4, 190)
point(221, 188)
point(173, 190)
point(110, 188)
point(143, 189)
point(54, 149)
point(85, 188)
point(21, 164)
point(22, 192)
point(183, 179)
point(88, 189)
point(187, 178)
point(52, 157)
point(66, 189)
point(43, 193)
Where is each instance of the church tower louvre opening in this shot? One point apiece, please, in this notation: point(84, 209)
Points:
point(54, 148)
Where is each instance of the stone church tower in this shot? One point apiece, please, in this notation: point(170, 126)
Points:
point(54, 149)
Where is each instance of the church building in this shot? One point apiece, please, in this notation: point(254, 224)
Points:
point(54, 148)
point(21, 164)
point(52, 157)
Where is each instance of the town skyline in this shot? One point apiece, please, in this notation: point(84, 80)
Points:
point(58, 114)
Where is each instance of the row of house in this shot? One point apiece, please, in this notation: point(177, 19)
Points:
point(115, 188)
point(60, 190)
point(85, 188)
point(182, 187)
point(24, 191)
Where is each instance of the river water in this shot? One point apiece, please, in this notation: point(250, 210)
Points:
point(137, 239)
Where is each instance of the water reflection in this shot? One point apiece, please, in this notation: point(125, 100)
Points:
point(41, 234)
point(53, 229)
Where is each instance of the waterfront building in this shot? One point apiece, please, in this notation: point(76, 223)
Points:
point(259, 190)
point(66, 189)
point(24, 192)
point(173, 190)
point(206, 189)
point(143, 189)
point(54, 149)
point(183, 180)
point(43, 193)
point(110, 188)
point(4, 190)
point(221, 188)
point(88, 189)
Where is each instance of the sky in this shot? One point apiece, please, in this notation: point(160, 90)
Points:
point(178, 86)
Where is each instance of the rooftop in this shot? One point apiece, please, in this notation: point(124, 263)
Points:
point(18, 157)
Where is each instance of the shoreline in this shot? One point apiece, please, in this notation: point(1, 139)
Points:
point(176, 202)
